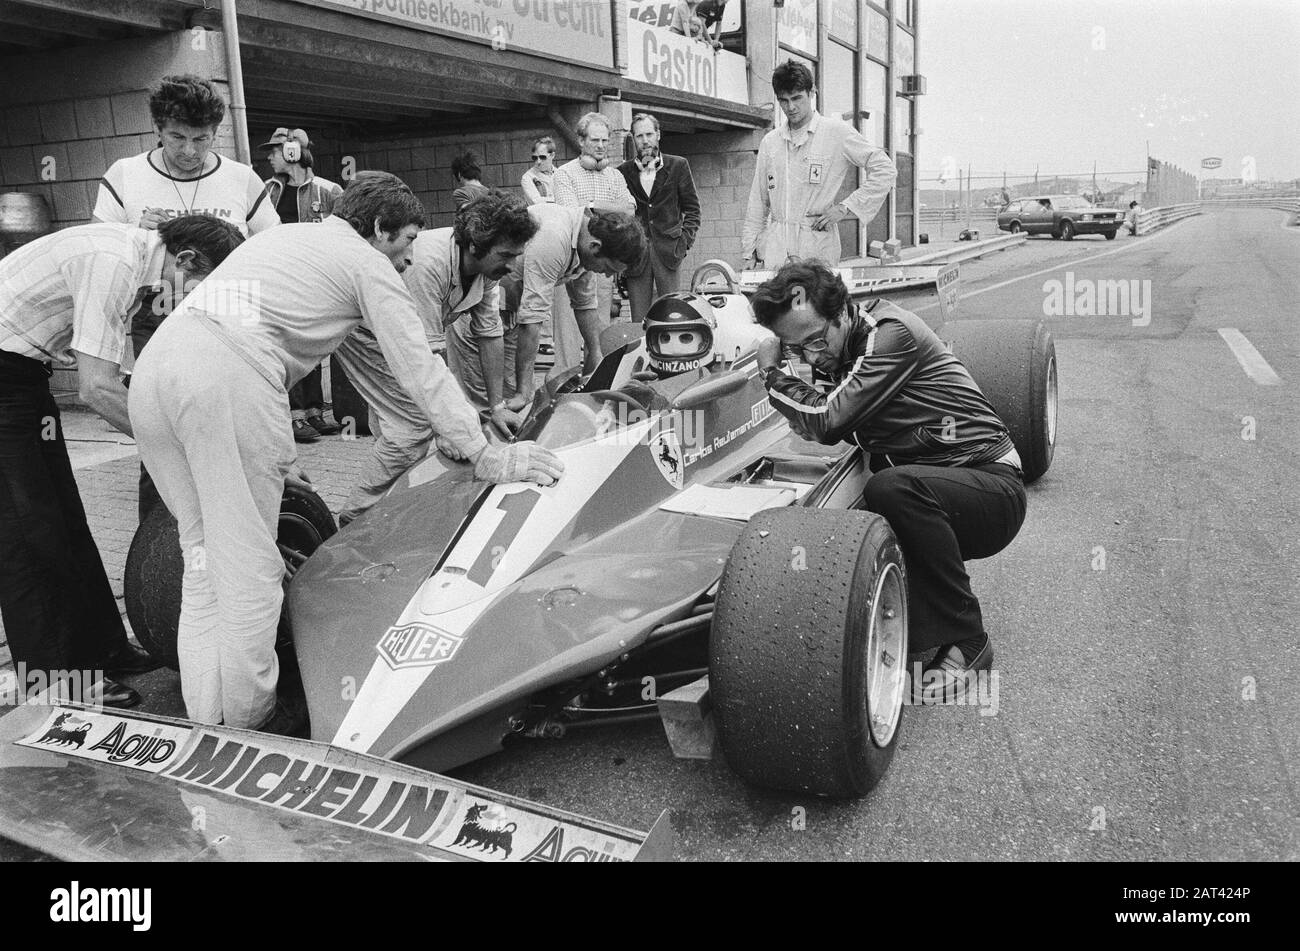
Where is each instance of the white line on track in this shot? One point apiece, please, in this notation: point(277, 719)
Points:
point(1065, 264)
point(1251, 361)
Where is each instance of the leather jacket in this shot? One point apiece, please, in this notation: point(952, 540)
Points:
point(900, 395)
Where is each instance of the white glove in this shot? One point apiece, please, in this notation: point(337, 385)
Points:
point(518, 462)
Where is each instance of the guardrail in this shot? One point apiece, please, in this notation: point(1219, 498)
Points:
point(970, 251)
point(1152, 219)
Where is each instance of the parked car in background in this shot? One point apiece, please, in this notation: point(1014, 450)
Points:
point(1061, 216)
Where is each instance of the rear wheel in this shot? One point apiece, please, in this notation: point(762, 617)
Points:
point(154, 565)
point(808, 650)
point(1014, 365)
point(1067, 230)
point(1015, 227)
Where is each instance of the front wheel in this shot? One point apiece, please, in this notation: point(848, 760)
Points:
point(1110, 235)
point(1067, 230)
point(1015, 227)
point(808, 651)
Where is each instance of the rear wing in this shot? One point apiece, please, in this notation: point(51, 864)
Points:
point(875, 280)
point(86, 784)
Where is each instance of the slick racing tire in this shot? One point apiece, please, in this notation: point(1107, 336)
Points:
point(808, 651)
point(1014, 365)
point(152, 578)
point(346, 402)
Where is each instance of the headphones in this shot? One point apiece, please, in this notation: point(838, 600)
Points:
point(592, 164)
point(292, 150)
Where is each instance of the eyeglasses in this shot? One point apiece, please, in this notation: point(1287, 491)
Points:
point(813, 344)
point(540, 158)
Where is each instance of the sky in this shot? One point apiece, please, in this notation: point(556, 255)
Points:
point(1064, 83)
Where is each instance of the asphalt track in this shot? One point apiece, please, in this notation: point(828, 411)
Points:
point(1124, 727)
point(1143, 621)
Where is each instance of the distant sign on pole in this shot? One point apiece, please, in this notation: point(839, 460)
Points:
point(1211, 162)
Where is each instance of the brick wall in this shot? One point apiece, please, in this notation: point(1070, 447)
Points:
point(66, 116)
point(424, 162)
point(722, 165)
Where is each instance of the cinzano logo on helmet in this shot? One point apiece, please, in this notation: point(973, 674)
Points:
point(679, 333)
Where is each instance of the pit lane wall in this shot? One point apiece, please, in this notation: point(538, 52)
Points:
point(67, 115)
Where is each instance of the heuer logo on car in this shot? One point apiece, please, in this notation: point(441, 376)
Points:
point(417, 645)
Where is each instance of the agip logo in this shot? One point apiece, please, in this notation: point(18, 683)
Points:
point(418, 645)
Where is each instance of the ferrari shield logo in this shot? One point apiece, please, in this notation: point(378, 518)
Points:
point(418, 645)
point(666, 451)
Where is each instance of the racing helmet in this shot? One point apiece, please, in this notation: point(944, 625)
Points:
point(679, 333)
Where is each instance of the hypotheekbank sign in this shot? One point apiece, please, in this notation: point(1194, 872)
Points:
point(574, 30)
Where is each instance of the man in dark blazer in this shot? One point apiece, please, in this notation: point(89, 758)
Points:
point(667, 207)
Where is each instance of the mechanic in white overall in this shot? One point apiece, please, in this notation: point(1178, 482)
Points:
point(210, 409)
point(801, 168)
point(453, 280)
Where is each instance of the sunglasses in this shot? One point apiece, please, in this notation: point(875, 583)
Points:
point(540, 158)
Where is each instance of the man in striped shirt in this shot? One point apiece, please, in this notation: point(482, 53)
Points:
point(68, 298)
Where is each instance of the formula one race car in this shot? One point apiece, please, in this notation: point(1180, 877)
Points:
point(692, 534)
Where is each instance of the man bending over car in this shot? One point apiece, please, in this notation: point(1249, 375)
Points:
point(210, 408)
point(946, 474)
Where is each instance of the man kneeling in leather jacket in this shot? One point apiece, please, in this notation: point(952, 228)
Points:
point(945, 472)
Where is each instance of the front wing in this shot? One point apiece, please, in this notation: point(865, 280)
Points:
point(92, 785)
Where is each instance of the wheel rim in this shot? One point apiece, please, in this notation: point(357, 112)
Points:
point(886, 655)
point(1051, 401)
point(297, 538)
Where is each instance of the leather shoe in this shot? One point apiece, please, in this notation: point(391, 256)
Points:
point(318, 423)
point(129, 659)
point(304, 431)
point(946, 678)
point(110, 693)
point(285, 720)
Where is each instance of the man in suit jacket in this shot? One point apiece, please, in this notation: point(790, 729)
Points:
point(668, 209)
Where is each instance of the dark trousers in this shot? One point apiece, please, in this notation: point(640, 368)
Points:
point(306, 393)
point(58, 608)
point(944, 516)
point(654, 280)
point(143, 324)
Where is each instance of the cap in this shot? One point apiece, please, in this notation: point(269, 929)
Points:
point(283, 135)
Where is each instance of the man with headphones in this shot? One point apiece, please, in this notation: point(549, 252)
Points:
point(590, 178)
point(299, 195)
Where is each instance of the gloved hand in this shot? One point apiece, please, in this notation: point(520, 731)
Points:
point(518, 462)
